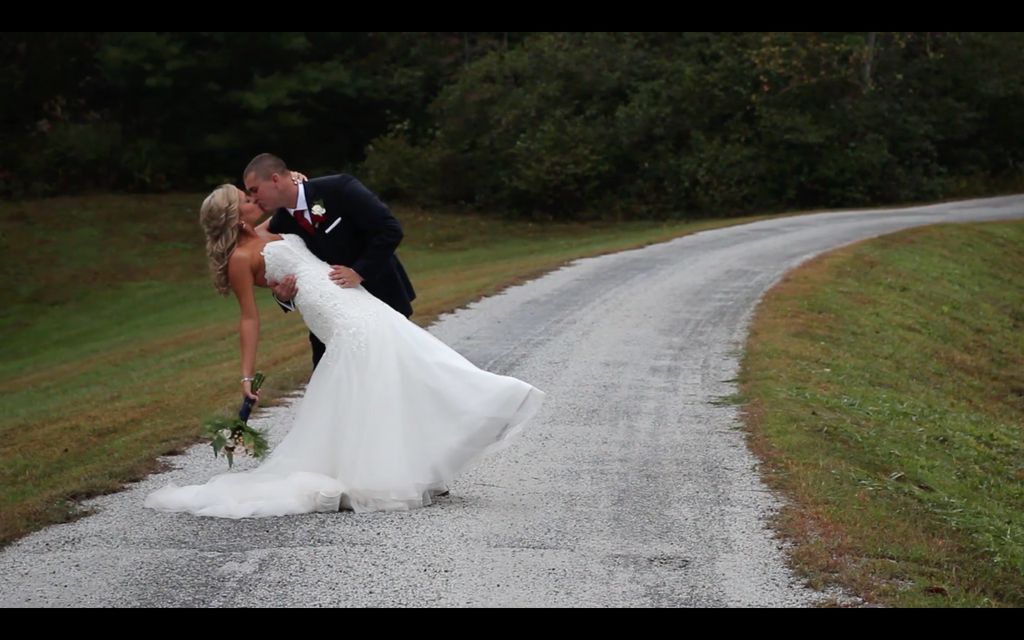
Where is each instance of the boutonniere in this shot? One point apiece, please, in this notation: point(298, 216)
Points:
point(318, 208)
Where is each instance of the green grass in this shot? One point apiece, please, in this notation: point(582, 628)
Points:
point(117, 348)
point(885, 391)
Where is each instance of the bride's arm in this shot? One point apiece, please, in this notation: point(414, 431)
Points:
point(242, 282)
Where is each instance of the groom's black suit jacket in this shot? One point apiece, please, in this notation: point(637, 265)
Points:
point(365, 239)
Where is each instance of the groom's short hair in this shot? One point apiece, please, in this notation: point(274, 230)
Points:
point(265, 165)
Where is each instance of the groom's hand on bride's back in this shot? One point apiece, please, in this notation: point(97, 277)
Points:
point(284, 290)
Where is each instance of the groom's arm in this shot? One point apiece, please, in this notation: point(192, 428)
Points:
point(284, 293)
point(276, 223)
point(380, 227)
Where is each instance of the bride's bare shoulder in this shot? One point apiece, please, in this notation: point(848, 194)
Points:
point(248, 253)
point(241, 253)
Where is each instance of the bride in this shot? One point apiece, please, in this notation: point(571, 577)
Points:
point(391, 414)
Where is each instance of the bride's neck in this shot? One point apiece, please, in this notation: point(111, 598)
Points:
point(247, 234)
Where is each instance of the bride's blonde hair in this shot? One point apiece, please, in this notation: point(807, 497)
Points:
point(219, 218)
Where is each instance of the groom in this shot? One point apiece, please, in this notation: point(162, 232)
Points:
point(342, 223)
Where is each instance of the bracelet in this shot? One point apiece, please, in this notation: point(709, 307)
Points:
point(249, 378)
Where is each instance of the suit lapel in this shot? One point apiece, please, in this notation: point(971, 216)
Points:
point(331, 217)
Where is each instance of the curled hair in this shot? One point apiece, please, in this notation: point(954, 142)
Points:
point(219, 218)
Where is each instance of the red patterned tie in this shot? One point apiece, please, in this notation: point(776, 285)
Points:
point(300, 217)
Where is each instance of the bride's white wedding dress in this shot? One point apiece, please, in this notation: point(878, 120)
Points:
point(389, 417)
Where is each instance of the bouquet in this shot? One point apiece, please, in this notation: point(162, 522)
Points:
point(234, 435)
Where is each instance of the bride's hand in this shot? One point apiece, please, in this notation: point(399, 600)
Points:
point(299, 177)
point(247, 389)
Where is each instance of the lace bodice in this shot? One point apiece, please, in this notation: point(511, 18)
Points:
point(329, 311)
